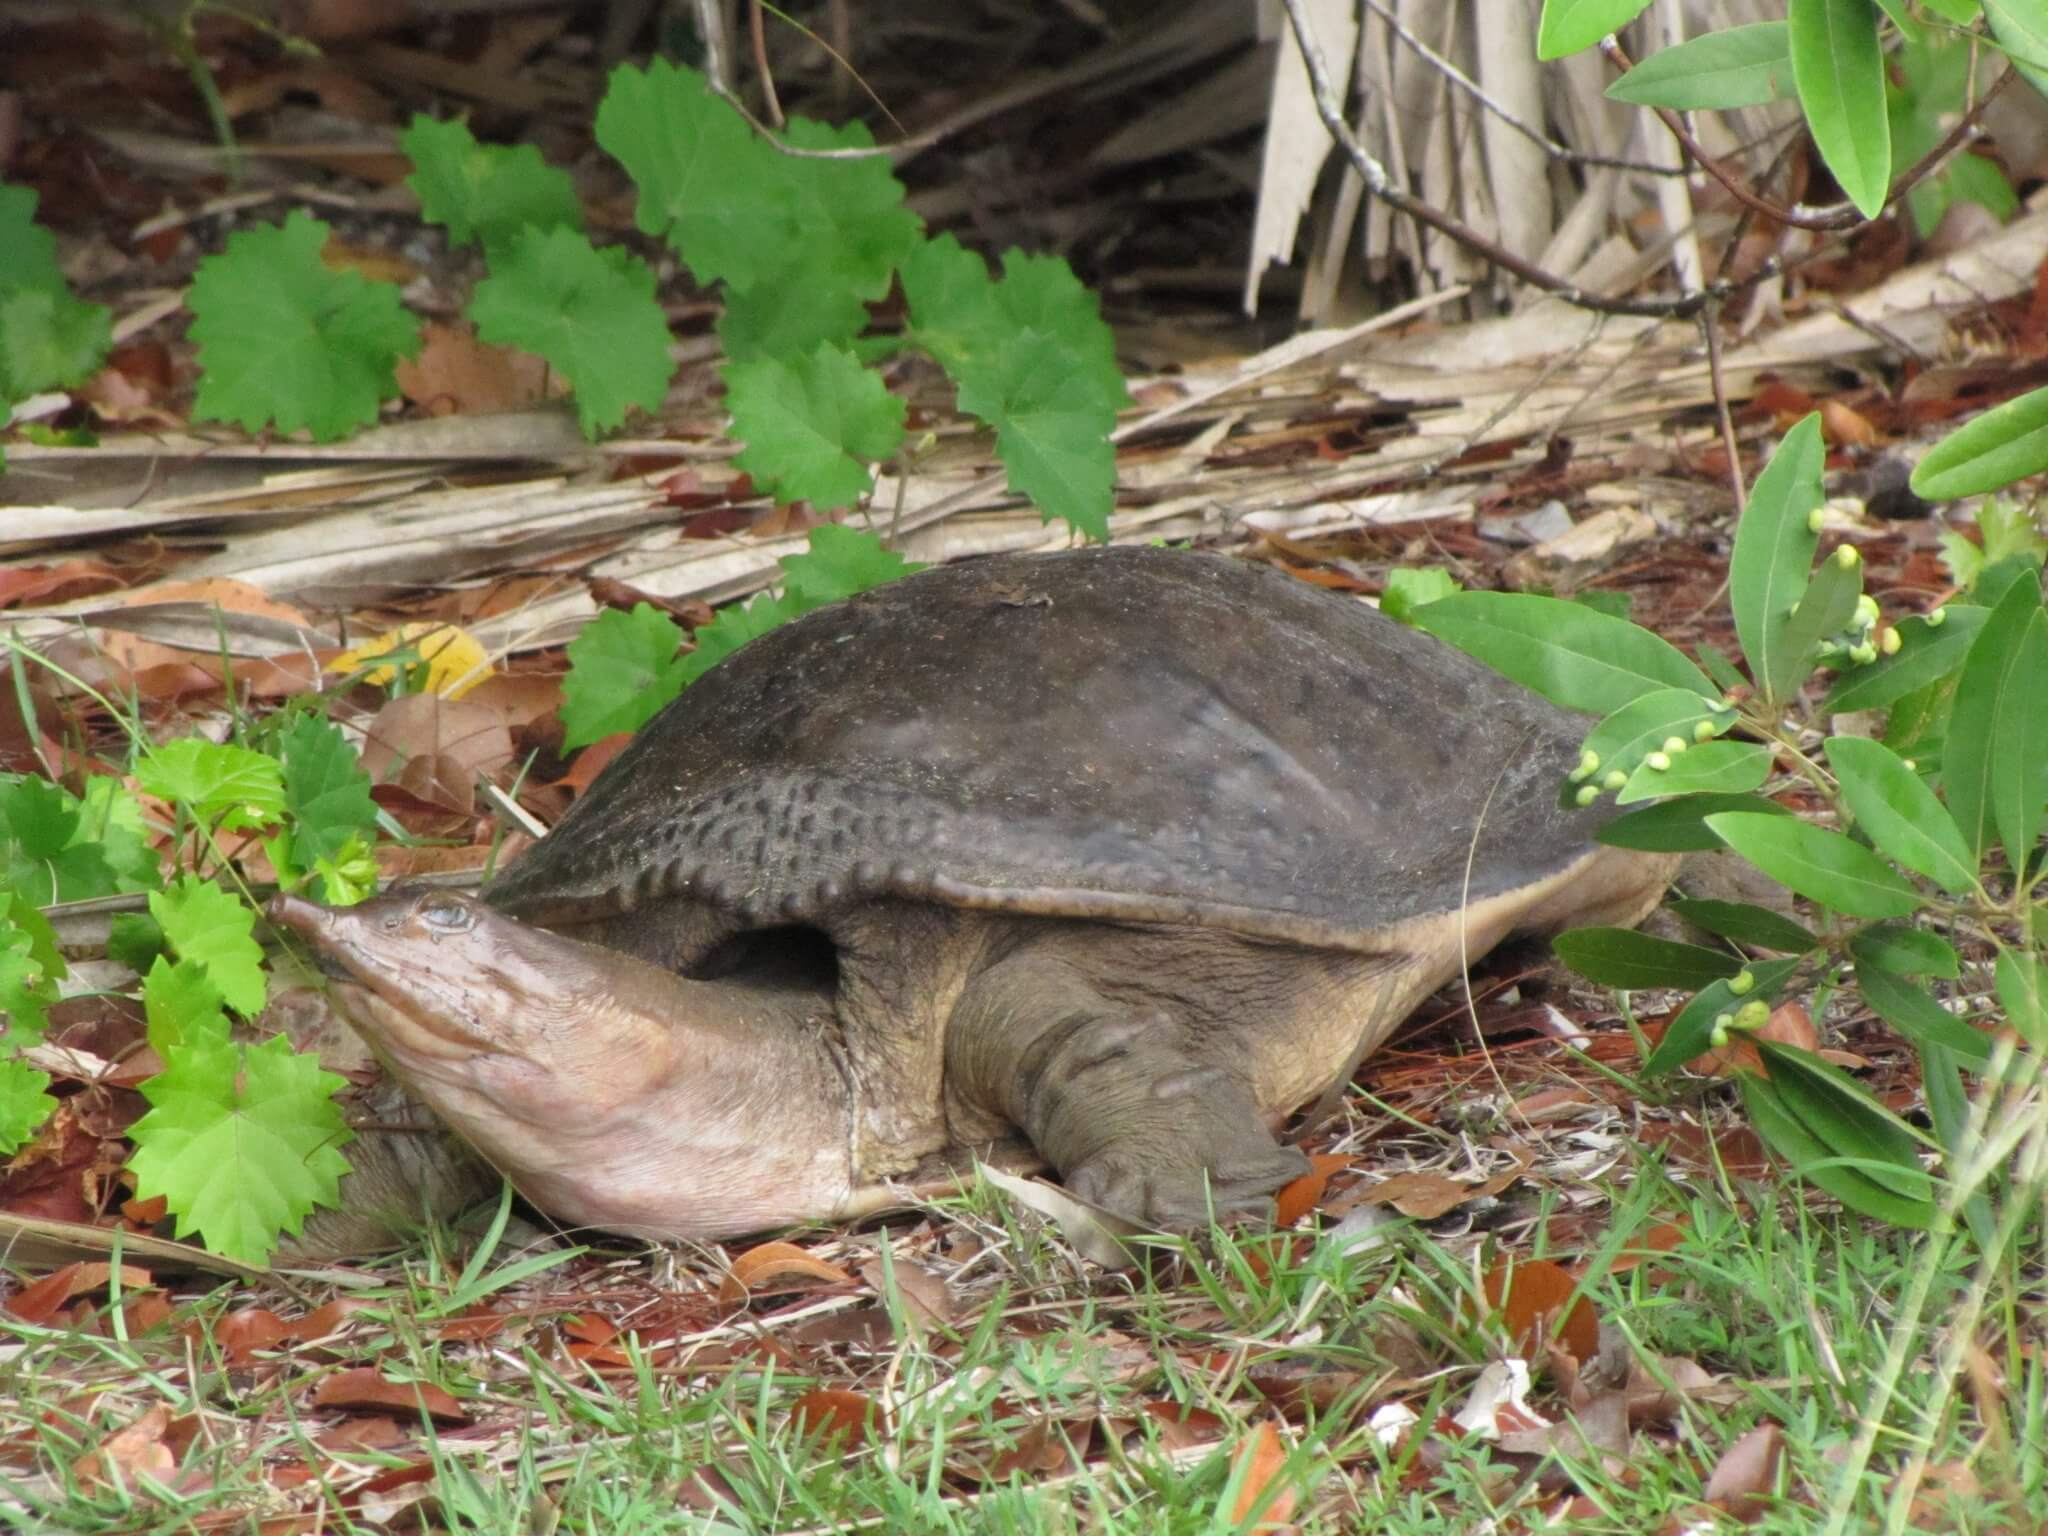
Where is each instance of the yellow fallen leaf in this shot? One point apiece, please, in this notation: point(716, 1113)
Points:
point(455, 662)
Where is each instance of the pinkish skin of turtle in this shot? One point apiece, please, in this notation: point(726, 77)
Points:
point(1140, 947)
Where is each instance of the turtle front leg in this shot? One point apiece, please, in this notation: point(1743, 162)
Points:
point(1122, 1101)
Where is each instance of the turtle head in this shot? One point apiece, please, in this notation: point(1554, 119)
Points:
point(610, 1091)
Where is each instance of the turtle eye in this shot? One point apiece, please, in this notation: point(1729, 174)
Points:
point(446, 914)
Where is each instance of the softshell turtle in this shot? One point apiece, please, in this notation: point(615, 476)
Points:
point(1129, 850)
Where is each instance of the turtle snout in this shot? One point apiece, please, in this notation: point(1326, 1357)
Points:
point(312, 923)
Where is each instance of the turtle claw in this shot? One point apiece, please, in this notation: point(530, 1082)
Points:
point(1184, 1199)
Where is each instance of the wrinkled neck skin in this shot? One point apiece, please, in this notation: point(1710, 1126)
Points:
point(611, 1093)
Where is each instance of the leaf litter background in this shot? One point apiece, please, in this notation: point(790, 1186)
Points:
point(1545, 449)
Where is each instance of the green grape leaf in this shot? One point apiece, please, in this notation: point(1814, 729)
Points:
point(623, 667)
point(1679, 825)
point(485, 192)
point(812, 426)
point(326, 792)
point(182, 1007)
point(1714, 768)
point(1569, 653)
point(1408, 590)
point(110, 817)
point(952, 303)
point(135, 939)
point(788, 320)
point(1820, 865)
point(28, 984)
point(1774, 546)
point(590, 313)
point(286, 341)
point(1899, 812)
point(1626, 958)
point(1745, 66)
point(1745, 923)
point(24, 1103)
point(840, 562)
point(48, 338)
point(1838, 67)
point(242, 1142)
point(2009, 442)
point(735, 625)
point(1566, 26)
point(216, 929)
point(42, 854)
point(215, 781)
point(1051, 430)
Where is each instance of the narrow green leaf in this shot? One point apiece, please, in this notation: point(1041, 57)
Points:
point(1899, 812)
point(1845, 1116)
point(1626, 958)
point(1715, 768)
point(1825, 609)
point(1926, 653)
point(1838, 66)
point(1569, 25)
point(1995, 762)
point(1767, 570)
point(1905, 951)
point(2005, 444)
point(1948, 1107)
point(2023, 993)
point(1820, 865)
point(1913, 1012)
point(1679, 825)
point(1643, 725)
point(1745, 923)
point(1734, 67)
point(2021, 29)
point(1818, 1163)
point(1570, 654)
point(1691, 1032)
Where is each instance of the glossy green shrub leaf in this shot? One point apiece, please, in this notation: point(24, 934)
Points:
point(1836, 1136)
point(1643, 725)
point(1692, 1031)
point(1633, 960)
point(1898, 811)
point(2020, 27)
point(1926, 654)
point(1679, 825)
point(1838, 67)
point(2023, 993)
point(1715, 768)
point(1905, 951)
point(1911, 1010)
point(1826, 608)
point(1743, 66)
point(1569, 25)
point(1746, 923)
point(1570, 654)
point(2005, 444)
point(1820, 865)
point(1767, 570)
point(1995, 760)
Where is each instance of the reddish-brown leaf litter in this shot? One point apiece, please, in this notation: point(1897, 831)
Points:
point(105, 124)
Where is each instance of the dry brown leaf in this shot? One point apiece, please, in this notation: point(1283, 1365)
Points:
point(1296, 1200)
point(1181, 1426)
point(1426, 1196)
point(40, 1302)
point(247, 1331)
point(1789, 1024)
point(137, 1449)
point(1529, 1295)
point(455, 372)
point(836, 1414)
point(59, 583)
point(436, 748)
point(363, 1387)
point(1747, 1470)
point(774, 1268)
point(926, 1297)
point(1846, 427)
point(1257, 1464)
